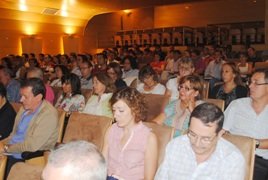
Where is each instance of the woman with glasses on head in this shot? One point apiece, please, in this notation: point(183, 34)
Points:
point(231, 88)
point(130, 148)
point(177, 112)
point(71, 99)
point(150, 82)
point(186, 67)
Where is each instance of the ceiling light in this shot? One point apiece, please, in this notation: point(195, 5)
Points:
point(23, 7)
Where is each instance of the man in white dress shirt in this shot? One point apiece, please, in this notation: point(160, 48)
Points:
point(202, 153)
point(249, 117)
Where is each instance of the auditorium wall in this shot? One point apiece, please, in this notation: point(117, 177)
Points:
point(101, 28)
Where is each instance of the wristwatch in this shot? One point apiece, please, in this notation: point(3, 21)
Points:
point(257, 143)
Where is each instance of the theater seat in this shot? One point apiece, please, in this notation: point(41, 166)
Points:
point(155, 104)
point(247, 147)
point(20, 171)
point(164, 134)
point(87, 127)
point(217, 102)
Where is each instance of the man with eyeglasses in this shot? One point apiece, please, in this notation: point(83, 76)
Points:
point(249, 117)
point(202, 153)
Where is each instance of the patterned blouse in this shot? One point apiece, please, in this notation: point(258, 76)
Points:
point(177, 117)
point(71, 103)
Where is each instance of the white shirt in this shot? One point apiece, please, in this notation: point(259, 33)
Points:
point(130, 73)
point(56, 83)
point(98, 106)
point(158, 89)
point(214, 69)
point(226, 162)
point(172, 86)
point(241, 119)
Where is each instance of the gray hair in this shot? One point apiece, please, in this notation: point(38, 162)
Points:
point(82, 158)
point(38, 73)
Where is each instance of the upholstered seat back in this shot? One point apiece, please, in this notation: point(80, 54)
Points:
point(22, 170)
point(217, 102)
point(164, 134)
point(87, 127)
point(155, 104)
point(247, 147)
point(3, 161)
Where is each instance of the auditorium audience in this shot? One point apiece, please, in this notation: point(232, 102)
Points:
point(130, 148)
point(176, 114)
point(232, 87)
point(248, 117)
point(203, 153)
point(71, 99)
point(149, 81)
point(7, 114)
point(98, 103)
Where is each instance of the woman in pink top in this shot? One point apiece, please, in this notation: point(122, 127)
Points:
point(130, 147)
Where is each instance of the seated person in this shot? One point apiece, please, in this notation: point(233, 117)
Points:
point(7, 114)
point(130, 148)
point(177, 112)
point(38, 73)
point(202, 153)
point(158, 64)
point(248, 117)
point(245, 67)
point(186, 67)
point(71, 100)
point(12, 86)
point(130, 67)
point(36, 124)
point(75, 160)
point(231, 88)
point(98, 103)
point(115, 73)
point(150, 82)
point(86, 72)
point(213, 70)
point(60, 71)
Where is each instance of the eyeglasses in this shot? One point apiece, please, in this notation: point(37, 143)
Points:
point(257, 84)
point(204, 140)
point(185, 88)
